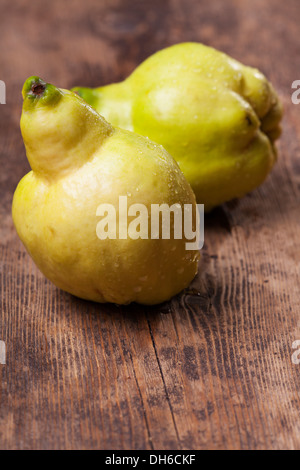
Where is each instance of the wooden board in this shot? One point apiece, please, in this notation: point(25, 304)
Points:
point(211, 369)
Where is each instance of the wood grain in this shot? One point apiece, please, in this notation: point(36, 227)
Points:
point(212, 368)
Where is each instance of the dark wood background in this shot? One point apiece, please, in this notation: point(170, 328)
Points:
point(211, 369)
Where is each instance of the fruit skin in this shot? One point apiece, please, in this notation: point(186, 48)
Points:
point(218, 118)
point(79, 161)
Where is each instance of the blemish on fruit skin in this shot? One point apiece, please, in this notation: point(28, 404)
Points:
point(249, 120)
point(52, 231)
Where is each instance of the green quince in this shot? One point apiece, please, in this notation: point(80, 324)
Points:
point(218, 118)
point(79, 163)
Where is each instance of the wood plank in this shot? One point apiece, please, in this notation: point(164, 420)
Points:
point(212, 368)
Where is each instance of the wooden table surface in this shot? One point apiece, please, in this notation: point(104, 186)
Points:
point(211, 369)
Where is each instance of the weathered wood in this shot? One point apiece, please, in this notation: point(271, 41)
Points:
point(210, 369)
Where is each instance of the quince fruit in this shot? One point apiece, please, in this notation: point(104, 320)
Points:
point(218, 118)
point(79, 161)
